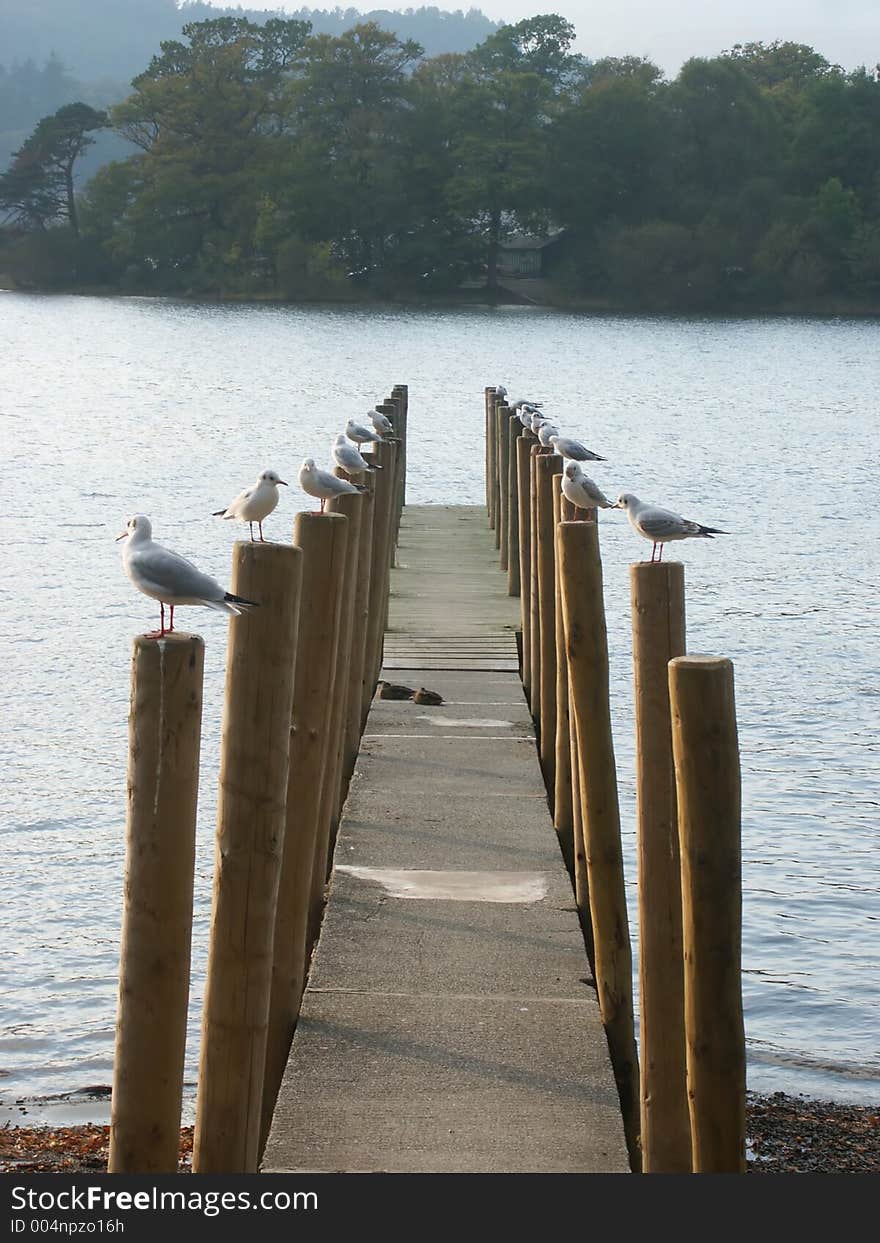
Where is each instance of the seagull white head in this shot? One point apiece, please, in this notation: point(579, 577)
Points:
point(572, 469)
point(625, 500)
point(309, 464)
point(341, 439)
point(137, 528)
point(271, 476)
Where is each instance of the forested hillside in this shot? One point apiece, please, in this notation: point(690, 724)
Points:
point(274, 162)
point(53, 52)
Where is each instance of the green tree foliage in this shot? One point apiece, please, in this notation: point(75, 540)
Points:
point(271, 160)
point(38, 188)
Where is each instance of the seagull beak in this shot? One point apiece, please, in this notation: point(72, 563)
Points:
point(284, 481)
point(119, 537)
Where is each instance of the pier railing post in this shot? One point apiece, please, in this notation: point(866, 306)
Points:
point(163, 776)
point(254, 769)
point(492, 434)
point(360, 625)
point(400, 392)
point(548, 465)
point(707, 774)
point(534, 613)
point(500, 424)
point(563, 814)
point(328, 820)
point(587, 649)
point(524, 513)
point(321, 541)
point(657, 598)
point(489, 395)
point(515, 431)
point(504, 482)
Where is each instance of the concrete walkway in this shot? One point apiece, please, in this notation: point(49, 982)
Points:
point(450, 1022)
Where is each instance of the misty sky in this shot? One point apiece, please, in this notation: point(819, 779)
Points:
point(846, 31)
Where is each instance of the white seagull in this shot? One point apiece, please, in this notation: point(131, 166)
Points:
point(256, 503)
point(581, 490)
point(547, 432)
point(524, 401)
point(381, 422)
point(348, 456)
point(362, 435)
point(322, 484)
point(574, 450)
point(661, 525)
point(500, 390)
point(170, 578)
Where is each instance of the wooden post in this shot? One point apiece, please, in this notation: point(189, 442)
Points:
point(499, 421)
point(548, 465)
point(492, 440)
point(321, 540)
point(489, 396)
point(657, 598)
point(360, 624)
point(563, 814)
point(328, 820)
point(380, 562)
point(587, 647)
point(504, 481)
point(524, 507)
point(254, 766)
point(515, 431)
point(391, 410)
point(387, 454)
point(164, 727)
point(401, 393)
point(581, 879)
point(535, 619)
point(707, 775)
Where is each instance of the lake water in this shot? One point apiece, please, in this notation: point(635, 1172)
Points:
point(765, 427)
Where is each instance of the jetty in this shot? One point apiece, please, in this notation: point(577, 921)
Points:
point(450, 1021)
point(420, 958)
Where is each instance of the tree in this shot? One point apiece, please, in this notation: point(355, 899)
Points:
point(38, 189)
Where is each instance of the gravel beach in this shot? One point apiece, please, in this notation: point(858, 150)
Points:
point(786, 1135)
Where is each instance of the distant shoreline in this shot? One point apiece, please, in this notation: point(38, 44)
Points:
point(557, 301)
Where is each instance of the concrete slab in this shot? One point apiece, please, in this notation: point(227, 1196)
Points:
point(450, 1021)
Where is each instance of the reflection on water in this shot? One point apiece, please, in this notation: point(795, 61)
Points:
point(767, 428)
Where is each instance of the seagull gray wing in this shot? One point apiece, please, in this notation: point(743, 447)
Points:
point(161, 570)
point(661, 523)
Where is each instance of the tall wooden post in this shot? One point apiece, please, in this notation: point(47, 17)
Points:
point(328, 820)
point(657, 597)
point(515, 431)
point(380, 567)
point(489, 394)
point(499, 422)
point(523, 483)
point(164, 729)
point(504, 482)
point(548, 465)
point(254, 766)
point(535, 623)
point(563, 813)
point(492, 437)
point(360, 624)
point(587, 647)
point(707, 774)
point(322, 540)
point(387, 455)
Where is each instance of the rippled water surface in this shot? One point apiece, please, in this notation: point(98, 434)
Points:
point(767, 428)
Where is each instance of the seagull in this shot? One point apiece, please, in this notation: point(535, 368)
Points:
point(524, 401)
point(574, 450)
point(348, 456)
point(322, 484)
point(546, 433)
point(170, 578)
point(581, 490)
point(381, 422)
point(256, 503)
point(661, 525)
point(360, 434)
point(500, 390)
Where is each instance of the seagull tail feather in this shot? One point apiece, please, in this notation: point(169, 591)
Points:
point(237, 604)
point(710, 531)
